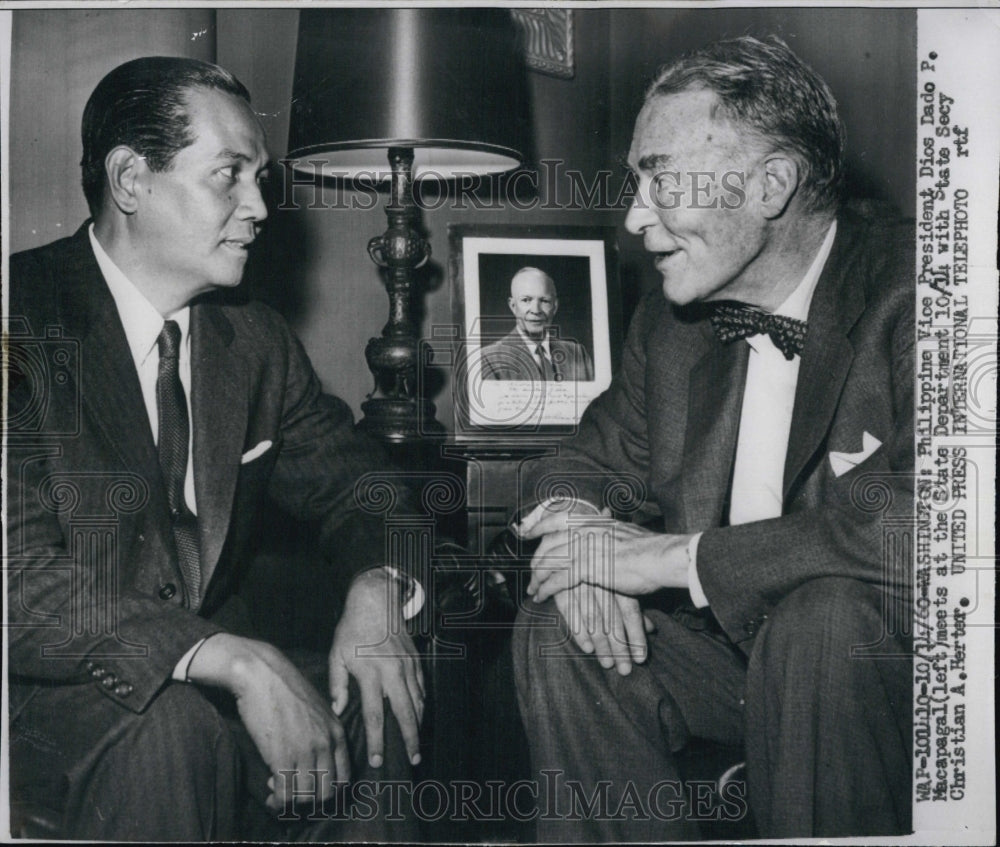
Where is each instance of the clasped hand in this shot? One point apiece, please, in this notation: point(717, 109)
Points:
point(593, 567)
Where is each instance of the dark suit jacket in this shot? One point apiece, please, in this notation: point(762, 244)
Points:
point(509, 358)
point(94, 574)
point(664, 434)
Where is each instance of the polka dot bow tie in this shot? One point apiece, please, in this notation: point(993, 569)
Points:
point(733, 321)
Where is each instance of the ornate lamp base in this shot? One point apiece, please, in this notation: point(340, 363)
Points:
point(398, 416)
point(400, 420)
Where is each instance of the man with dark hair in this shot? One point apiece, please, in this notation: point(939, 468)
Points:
point(141, 705)
point(143, 104)
point(765, 403)
point(531, 351)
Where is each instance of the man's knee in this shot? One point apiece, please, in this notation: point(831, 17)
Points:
point(544, 654)
point(539, 633)
point(835, 612)
point(173, 770)
point(831, 626)
point(182, 722)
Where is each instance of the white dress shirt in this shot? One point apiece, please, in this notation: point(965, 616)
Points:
point(765, 421)
point(143, 324)
point(532, 346)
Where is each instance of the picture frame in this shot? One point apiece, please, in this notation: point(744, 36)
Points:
point(547, 35)
point(504, 384)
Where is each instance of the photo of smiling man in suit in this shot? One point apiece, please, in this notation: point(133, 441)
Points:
point(766, 404)
point(141, 709)
point(532, 351)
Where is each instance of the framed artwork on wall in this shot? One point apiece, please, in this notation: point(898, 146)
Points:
point(540, 326)
point(547, 36)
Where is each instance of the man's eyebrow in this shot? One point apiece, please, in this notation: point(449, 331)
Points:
point(229, 155)
point(233, 154)
point(654, 162)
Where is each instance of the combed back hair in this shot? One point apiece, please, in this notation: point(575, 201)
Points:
point(143, 104)
point(528, 269)
point(765, 87)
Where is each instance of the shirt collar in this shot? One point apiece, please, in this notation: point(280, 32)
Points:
point(797, 303)
point(532, 344)
point(140, 319)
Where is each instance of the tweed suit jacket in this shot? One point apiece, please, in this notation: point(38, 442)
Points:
point(86, 457)
point(509, 358)
point(667, 429)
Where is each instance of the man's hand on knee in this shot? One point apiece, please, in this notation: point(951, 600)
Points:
point(609, 625)
point(372, 645)
point(299, 737)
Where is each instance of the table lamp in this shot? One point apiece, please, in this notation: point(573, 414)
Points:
point(403, 95)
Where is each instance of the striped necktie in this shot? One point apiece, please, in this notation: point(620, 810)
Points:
point(548, 369)
point(172, 449)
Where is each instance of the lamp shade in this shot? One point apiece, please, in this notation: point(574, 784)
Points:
point(449, 83)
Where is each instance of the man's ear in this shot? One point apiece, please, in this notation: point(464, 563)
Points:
point(124, 168)
point(781, 181)
point(510, 305)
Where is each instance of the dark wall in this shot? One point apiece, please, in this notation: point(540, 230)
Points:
point(312, 263)
point(57, 58)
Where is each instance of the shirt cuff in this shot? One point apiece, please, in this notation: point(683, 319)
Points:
point(413, 592)
point(180, 673)
point(694, 584)
point(556, 504)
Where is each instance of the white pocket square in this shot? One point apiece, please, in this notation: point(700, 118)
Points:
point(254, 452)
point(843, 462)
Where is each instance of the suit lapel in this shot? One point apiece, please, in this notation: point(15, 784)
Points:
point(110, 388)
point(219, 405)
point(826, 356)
point(112, 396)
point(715, 397)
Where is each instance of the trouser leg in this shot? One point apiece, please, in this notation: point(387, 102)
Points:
point(367, 809)
point(171, 773)
point(828, 730)
point(615, 737)
point(185, 769)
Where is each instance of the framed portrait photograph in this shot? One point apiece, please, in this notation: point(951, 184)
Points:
point(540, 317)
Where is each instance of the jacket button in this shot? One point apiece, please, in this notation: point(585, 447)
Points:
point(97, 673)
point(91, 665)
point(110, 681)
point(167, 590)
point(123, 689)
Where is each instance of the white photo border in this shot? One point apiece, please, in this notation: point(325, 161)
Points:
point(529, 407)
